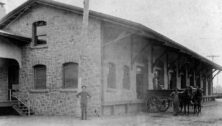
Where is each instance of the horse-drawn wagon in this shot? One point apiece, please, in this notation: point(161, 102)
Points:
point(161, 101)
point(158, 100)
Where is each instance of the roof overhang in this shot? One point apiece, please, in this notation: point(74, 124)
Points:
point(129, 24)
point(16, 39)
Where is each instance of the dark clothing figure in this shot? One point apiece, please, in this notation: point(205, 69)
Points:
point(84, 111)
point(84, 97)
point(176, 102)
point(83, 102)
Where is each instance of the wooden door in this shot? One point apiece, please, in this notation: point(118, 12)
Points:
point(141, 81)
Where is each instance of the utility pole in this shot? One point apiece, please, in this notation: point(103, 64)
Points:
point(84, 35)
point(85, 21)
point(84, 32)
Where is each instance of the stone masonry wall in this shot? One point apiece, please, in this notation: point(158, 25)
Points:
point(63, 45)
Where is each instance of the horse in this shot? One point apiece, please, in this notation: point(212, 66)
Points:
point(197, 99)
point(185, 98)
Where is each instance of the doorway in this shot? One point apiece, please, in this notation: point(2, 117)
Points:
point(141, 81)
point(13, 79)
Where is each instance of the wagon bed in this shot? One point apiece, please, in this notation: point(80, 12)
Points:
point(158, 99)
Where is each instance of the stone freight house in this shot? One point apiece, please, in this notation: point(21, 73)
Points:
point(44, 61)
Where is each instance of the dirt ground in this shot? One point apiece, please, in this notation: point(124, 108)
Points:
point(211, 115)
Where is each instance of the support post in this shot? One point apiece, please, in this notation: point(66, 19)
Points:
point(194, 79)
point(131, 51)
point(177, 76)
point(150, 73)
point(165, 69)
point(187, 77)
point(206, 86)
point(10, 94)
point(102, 70)
point(201, 81)
point(152, 58)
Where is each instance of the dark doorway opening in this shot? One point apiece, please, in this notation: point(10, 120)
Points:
point(183, 81)
point(13, 78)
point(141, 81)
point(173, 80)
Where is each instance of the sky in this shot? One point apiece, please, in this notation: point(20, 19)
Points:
point(196, 24)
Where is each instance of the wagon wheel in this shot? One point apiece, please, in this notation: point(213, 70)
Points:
point(163, 104)
point(151, 103)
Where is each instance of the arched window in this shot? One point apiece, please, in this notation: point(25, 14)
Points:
point(39, 32)
point(70, 75)
point(126, 77)
point(40, 77)
point(111, 79)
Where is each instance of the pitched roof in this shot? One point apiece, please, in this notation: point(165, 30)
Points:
point(139, 27)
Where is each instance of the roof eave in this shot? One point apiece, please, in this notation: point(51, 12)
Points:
point(20, 40)
point(104, 17)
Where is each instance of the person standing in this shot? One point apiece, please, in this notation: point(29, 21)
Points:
point(176, 102)
point(84, 95)
point(155, 81)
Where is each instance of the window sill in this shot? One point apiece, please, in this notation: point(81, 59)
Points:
point(39, 91)
point(39, 46)
point(69, 90)
point(111, 90)
point(126, 90)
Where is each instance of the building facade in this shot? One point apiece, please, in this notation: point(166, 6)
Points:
point(120, 61)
